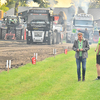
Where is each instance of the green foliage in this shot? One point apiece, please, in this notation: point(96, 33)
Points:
point(11, 3)
point(0, 3)
point(44, 3)
point(95, 4)
point(51, 79)
point(4, 8)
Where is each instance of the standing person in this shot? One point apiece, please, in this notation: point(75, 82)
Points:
point(81, 47)
point(98, 59)
point(86, 34)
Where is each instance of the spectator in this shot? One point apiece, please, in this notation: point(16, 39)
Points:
point(81, 47)
point(98, 59)
point(86, 34)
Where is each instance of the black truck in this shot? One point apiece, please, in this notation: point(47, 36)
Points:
point(40, 26)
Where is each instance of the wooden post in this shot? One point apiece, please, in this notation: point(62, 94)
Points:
point(7, 66)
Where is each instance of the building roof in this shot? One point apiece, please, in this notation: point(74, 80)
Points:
point(20, 9)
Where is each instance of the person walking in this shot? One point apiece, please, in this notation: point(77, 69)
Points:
point(81, 46)
point(97, 50)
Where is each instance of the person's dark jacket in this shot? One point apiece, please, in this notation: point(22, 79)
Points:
point(85, 48)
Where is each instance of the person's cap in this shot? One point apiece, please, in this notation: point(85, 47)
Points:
point(80, 33)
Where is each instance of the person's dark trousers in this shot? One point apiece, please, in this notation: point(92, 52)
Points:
point(78, 62)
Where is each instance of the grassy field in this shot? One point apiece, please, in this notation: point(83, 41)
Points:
point(51, 79)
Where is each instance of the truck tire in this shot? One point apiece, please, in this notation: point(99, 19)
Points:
point(54, 38)
point(50, 40)
point(58, 38)
point(3, 33)
point(28, 42)
point(23, 31)
point(18, 34)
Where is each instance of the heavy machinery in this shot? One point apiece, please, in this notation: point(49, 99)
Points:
point(82, 22)
point(40, 26)
point(12, 28)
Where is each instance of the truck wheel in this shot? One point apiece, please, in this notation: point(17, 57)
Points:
point(54, 38)
point(23, 31)
point(50, 40)
point(58, 38)
point(18, 35)
point(3, 33)
point(28, 42)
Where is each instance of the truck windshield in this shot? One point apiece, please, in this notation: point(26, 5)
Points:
point(38, 17)
point(12, 20)
point(83, 23)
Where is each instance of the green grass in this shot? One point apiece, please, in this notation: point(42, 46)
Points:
point(51, 79)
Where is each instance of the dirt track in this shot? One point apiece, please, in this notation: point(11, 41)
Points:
point(20, 53)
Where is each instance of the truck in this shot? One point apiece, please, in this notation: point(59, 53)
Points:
point(40, 26)
point(12, 28)
point(82, 22)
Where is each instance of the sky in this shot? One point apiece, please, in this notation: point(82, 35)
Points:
point(2, 1)
point(63, 3)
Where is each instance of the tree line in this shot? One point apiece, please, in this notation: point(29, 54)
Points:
point(11, 4)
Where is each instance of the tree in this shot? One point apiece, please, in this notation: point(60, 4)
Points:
point(16, 9)
point(45, 3)
point(4, 8)
point(94, 4)
point(11, 3)
point(0, 3)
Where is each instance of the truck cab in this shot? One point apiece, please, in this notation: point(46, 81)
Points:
point(40, 26)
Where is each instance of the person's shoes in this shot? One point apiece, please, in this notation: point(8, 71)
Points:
point(79, 79)
point(97, 78)
point(83, 79)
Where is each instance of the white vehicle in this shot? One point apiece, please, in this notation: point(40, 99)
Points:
point(82, 22)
